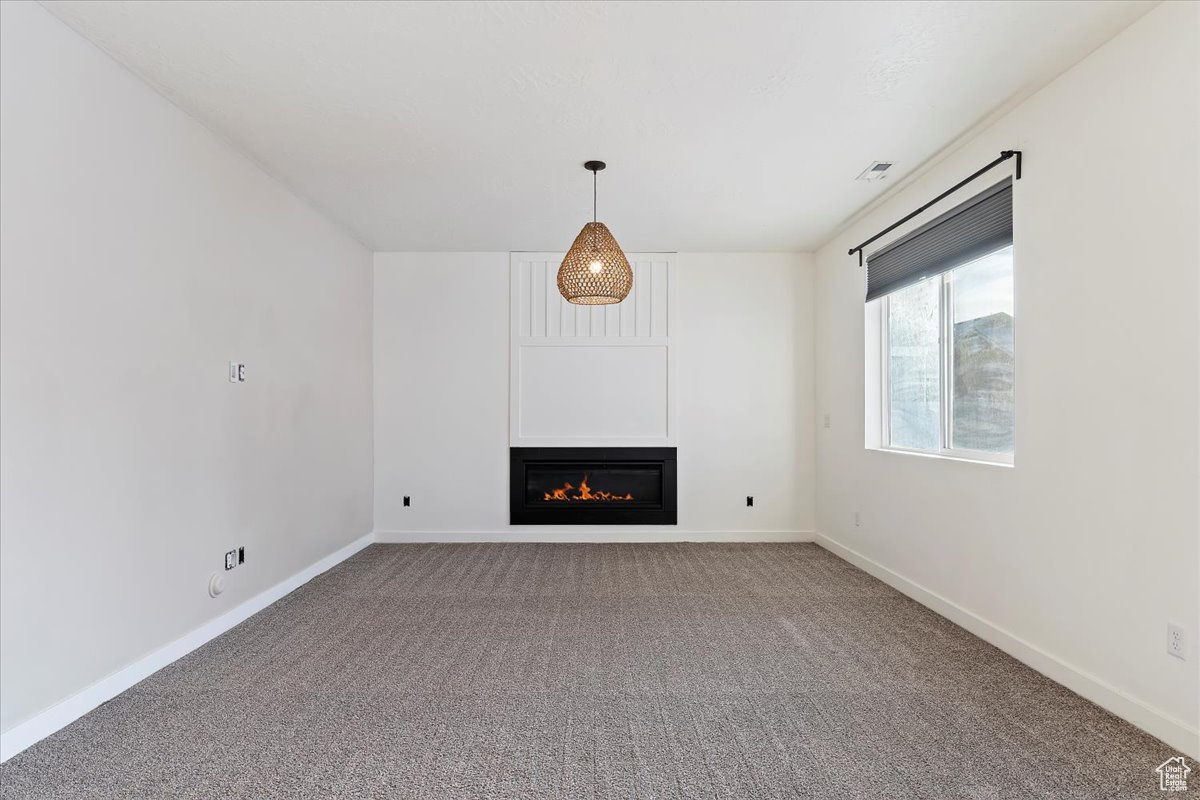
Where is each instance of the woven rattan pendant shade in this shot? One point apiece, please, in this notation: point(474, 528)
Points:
point(595, 272)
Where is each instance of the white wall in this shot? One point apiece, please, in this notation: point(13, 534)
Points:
point(139, 255)
point(745, 370)
point(1076, 558)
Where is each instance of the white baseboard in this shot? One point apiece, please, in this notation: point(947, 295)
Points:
point(586, 535)
point(67, 711)
point(1175, 732)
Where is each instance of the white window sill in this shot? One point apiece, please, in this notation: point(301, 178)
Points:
point(943, 456)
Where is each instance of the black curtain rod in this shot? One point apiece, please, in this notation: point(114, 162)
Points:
point(1005, 155)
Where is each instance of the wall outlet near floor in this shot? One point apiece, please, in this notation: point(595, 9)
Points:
point(235, 557)
point(1175, 639)
point(237, 372)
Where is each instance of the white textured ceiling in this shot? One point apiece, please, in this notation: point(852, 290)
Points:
point(463, 125)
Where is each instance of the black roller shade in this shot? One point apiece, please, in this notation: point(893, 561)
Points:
point(967, 231)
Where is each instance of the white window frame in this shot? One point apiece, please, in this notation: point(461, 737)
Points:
point(945, 376)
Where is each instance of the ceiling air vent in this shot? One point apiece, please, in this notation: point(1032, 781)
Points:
point(876, 172)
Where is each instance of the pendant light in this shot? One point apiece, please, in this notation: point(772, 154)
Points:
point(595, 272)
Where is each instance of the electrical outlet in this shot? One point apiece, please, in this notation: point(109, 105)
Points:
point(231, 559)
point(1175, 639)
point(237, 372)
point(858, 519)
point(749, 500)
point(407, 501)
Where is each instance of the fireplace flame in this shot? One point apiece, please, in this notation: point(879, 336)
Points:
point(584, 492)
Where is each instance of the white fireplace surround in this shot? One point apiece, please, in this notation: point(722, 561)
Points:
point(592, 376)
point(731, 388)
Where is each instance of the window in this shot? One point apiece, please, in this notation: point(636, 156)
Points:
point(948, 362)
point(940, 372)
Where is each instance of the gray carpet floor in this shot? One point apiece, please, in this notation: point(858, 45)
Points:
point(594, 671)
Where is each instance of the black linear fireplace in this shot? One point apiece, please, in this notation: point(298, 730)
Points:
point(592, 486)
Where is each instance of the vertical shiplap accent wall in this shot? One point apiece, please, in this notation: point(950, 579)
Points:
point(741, 404)
point(541, 312)
point(591, 375)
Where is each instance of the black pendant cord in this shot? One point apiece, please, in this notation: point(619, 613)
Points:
point(594, 167)
point(1005, 155)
